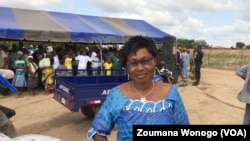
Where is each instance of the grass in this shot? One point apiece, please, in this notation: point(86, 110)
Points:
point(225, 60)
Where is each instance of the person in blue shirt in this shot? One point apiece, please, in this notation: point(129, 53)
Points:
point(141, 101)
point(185, 65)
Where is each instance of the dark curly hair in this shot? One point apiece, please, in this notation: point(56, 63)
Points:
point(135, 43)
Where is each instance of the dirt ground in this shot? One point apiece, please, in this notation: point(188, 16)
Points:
point(212, 102)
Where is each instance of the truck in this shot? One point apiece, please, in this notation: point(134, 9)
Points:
point(85, 93)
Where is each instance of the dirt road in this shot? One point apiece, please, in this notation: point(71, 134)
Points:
point(212, 102)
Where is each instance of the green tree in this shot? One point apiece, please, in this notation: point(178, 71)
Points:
point(185, 43)
point(248, 46)
point(203, 43)
point(239, 45)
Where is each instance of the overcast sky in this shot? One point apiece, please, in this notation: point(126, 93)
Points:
point(218, 22)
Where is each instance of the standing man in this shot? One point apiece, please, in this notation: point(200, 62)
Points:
point(179, 60)
point(198, 63)
point(192, 64)
point(185, 64)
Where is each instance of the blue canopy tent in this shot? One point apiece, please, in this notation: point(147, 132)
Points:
point(37, 25)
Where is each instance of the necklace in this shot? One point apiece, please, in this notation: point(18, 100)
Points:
point(143, 97)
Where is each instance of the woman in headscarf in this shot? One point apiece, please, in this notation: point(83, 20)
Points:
point(47, 70)
point(19, 79)
point(32, 72)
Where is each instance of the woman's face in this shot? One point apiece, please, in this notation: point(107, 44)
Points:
point(19, 56)
point(141, 72)
point(30, 60)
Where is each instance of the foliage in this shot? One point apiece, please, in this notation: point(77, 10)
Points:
point(240, 45)
point(185, 43)
point(8, 43)
point(247, 46)
point(203, 43)
point(191, 43)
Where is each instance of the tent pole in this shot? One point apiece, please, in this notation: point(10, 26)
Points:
point(101, 58)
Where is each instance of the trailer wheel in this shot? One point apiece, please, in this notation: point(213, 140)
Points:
point(90, 110)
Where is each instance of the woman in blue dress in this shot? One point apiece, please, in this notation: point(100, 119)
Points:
point(19, 79)
point(141, 101)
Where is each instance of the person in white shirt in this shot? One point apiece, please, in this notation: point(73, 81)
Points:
point(56, 60)
point(96, 61)
point(82, 61)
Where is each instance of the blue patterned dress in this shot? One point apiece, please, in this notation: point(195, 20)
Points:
point(121, 111)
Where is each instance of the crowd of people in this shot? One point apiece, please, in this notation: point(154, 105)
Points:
point(191, 63)
point(35, 67)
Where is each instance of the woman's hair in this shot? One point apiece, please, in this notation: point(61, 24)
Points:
point(135, 43)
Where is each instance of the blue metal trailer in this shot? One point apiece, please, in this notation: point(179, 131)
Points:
point(85, 93)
